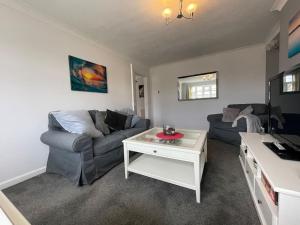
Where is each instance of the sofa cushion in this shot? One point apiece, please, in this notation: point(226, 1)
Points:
point(107, 143)
point(259, 109)
point(77, 122)
point(93, 114)
point(134, 119)
point(128, 120)
point(229, 114)
point(248, 110)
point(53, 123)
point(115, 120)
point(100, 124)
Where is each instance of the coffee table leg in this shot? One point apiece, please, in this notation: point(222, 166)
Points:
point(126, 161)
point(197, 178)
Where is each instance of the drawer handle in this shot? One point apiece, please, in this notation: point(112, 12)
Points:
point(154, 151)
point(259, 201)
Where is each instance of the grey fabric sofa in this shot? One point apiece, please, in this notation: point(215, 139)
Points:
point(224, 130)
point(83, 159)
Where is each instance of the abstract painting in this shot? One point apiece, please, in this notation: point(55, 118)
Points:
point(87, 76)
point(294, 35)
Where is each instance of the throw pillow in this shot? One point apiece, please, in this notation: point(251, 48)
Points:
point(115, 120)
point(129, 118)
point(77, 122)
point(229, 114)
point(248, 110)
point(135, 118)
point(128, 121)
point(100, 124)
point(259, 109)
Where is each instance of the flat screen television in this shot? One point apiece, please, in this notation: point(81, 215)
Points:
point(284, 108)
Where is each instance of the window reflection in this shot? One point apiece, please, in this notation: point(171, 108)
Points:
point(291, 83)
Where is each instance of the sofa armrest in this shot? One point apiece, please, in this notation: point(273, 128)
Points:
point(215, 117)
point(67, 141)
point(143, 123)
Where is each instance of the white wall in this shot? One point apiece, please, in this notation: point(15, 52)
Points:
point(35, 80)
point(241, 80)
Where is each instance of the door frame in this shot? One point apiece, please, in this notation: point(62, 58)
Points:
point(133, 91)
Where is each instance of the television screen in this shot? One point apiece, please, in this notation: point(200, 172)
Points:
point(284, 122)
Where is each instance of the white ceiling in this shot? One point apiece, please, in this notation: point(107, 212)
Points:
point(136, 28)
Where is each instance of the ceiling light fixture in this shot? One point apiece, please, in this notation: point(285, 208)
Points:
point(191, 8)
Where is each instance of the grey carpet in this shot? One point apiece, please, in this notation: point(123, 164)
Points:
point(112, 200)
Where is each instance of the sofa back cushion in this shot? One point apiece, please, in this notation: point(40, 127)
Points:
point(258, 108)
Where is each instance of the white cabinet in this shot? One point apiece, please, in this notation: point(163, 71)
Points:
point(250, 172)
point(264, 205)
point(262, 166)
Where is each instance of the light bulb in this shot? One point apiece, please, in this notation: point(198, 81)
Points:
point(167, 13)
point(191, 8)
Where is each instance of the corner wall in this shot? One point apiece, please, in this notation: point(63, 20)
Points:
point(241, 80)
point(35, 80)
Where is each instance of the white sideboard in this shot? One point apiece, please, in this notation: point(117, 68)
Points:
point(283, 176)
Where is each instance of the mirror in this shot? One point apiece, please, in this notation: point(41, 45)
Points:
point(199, 86)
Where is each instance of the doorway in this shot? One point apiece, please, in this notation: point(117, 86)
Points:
point(140, 95)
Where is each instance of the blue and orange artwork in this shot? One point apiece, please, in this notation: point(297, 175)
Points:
point(87, 76)
point(294, 35)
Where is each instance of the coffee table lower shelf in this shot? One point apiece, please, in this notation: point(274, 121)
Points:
point(168, 170)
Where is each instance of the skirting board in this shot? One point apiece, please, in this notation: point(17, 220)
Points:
point(21, 178)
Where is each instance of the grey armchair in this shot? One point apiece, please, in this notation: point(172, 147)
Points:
point(224, 130)
point(83, 159)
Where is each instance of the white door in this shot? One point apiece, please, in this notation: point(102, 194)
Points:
point(140, 94)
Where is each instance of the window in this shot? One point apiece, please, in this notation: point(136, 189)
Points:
point(199, 86)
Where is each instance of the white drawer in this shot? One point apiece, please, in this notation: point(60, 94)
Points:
point(262, 204)
point(162, 152)
point(249, 173)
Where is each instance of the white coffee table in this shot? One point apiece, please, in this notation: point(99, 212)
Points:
point(9, 214)
point(180, 163)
